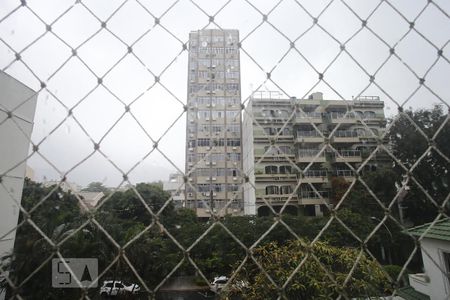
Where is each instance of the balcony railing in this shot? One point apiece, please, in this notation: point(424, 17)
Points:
point(349, 153)
point(310, 133)
point(312, 115)
point(340, 115)
point(313, 194)
point(315, 173)
point(345, 133)
point(345, 173)
point(309, 153)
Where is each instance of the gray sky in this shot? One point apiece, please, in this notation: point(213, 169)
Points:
point(157, 109)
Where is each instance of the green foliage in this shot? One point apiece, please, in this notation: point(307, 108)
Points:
point(408, 145)
point(311, 281)
point(96, 187)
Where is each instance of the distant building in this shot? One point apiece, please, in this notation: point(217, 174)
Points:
point(65, 186)
point(213, 137)
point(90, 199)
point(18, 104)
point(284, 154)
point(29, 173)
point(434, 282)
point(175, 186)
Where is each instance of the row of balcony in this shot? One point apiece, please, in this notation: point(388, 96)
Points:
point(308, 155)
point(302, 198)
point(329, 117)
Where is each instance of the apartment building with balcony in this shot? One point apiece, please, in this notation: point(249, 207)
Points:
point(293, 147)
point(213, 145)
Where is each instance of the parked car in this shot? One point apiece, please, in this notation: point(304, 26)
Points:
point(117, 287)
point(218, 283)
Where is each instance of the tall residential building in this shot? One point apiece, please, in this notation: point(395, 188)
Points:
point(213, 137)
point(285, 153)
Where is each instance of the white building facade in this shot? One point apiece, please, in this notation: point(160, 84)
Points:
point(17, 108)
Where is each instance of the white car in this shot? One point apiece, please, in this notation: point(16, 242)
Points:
point(117, 287)
point(218, 283)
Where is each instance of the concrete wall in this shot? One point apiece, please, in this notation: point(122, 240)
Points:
point(437, 287)
point(15, 133)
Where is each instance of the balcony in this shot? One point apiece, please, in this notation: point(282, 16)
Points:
point(275, 199)
point(315, 176)
point(349, 156)
point(345, 136)
point(348, 175)
point(308, 118)
point(312, 198)
point(311, 136)
point(308, 155)
point(273, 155)
point(262, 177)
point(342, 118)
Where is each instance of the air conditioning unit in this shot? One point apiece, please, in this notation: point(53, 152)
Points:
point(213, 178)
point(191, 149)
point(190, 179)
point(214, 163)
point(207, 119)
point(213, 105)
point(191, 120)
point(191, 135)
point(207, 163)
point(213, 66)
point(208, 105)
point(234, 148)
point(190, 164)
point(234, 178)
point(214, 194)
point(214, 119)
point(235, 163)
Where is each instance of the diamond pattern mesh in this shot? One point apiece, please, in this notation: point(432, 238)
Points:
point(269, 46)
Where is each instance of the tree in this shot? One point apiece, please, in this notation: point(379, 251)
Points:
point(311, 281)
point(408, 145)
point(96, 187)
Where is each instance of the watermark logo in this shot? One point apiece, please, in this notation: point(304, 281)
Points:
point(83, 269)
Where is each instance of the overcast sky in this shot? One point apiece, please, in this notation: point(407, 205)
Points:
point(162, 106)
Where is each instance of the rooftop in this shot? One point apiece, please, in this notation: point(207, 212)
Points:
point(440, 230)
point(409, 293)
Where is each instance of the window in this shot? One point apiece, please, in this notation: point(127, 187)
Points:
point(369, 115)
point(285, 190)
point(233, 143)
point(216, 128)
point(219, 143)
point(285, 169)
point(285, 149)
point(446, 258)
point(234, 128)
point(272, 190)
point(203, 114)
point(271, 169)
point(203, 142)
point(233, 187)
point(234, 156)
